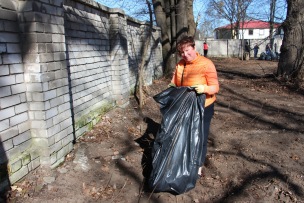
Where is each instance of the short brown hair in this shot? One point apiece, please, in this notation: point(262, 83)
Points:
point(184, 42)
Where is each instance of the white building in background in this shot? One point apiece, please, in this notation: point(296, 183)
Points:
point(254, 29)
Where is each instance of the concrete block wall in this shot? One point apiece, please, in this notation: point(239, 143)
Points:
point(63, 63)
point(88, 56)
point(153, 69)
point(119, 57)
point(46, 78)
point(15, 125)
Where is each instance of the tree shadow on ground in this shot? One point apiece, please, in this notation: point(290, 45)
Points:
point(263, 116)
point(230, 75)
point(259, 108)
point(146, 143)
point(238, 190)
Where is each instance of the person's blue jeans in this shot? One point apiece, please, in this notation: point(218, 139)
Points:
point(255, 53)
point(208, 114)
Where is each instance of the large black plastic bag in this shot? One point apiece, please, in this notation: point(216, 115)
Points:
point(177, 149)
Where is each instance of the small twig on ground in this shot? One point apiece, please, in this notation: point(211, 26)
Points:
point(140, 191)
point(106, 185)
point(257, 115)
point(151, 194)
point(120, 191)
point(261, 68)
point(253, 119)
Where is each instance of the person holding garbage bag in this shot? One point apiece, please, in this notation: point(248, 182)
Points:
point(180, 146)
point(200, 73)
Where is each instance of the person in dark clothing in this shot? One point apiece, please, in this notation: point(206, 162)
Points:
point(268, 49)
point(246, 51)
point(256, 50)
point(247, 47)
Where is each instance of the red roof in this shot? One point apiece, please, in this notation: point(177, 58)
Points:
point(253, 24)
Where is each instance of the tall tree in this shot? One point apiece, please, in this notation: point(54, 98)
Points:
point(291, 63)
point(175, 18)
point(206, 28)
point(232, 10)
point(224, 9)
point(242, 7)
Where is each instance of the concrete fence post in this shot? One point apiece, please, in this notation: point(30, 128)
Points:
point(119, 57)
point(46, 80)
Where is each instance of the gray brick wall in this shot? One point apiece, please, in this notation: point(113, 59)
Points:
point(62, 64)
point(14, 118)
point(137, 35)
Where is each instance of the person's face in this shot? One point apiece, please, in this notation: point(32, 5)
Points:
point(188, 53)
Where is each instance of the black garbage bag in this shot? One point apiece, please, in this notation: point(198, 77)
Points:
point(262, 56)
point(178, 145)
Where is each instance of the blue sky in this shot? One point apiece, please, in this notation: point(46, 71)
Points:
point(199, 9)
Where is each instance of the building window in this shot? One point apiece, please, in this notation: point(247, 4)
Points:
point(261, 32)
point(250, 32)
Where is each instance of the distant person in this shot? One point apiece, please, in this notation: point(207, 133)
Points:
point(246, 51)
point(268, 49)
point(269, 54)
point(256, 50)
point(205, 49)
point(247, 48)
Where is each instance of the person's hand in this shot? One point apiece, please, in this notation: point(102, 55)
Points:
point(171, 85)
point(200, 89)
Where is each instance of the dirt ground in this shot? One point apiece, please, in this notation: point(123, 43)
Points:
point(255, 148)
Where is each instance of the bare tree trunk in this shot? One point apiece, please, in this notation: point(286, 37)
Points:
point(271, 21)
point(292, 50)
point(191, 21)
point(173, 21)
point(144, 56)
point(173, 28)
point(169, 11)
point(181, 17)
point(161, 20)
point(185, 18)
point(175, 18)
point(232, 30)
